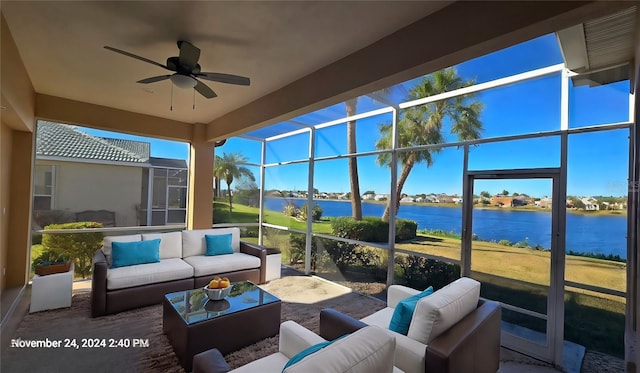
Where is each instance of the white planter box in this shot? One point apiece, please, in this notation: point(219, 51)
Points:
point(51, 291)
point(274, 263)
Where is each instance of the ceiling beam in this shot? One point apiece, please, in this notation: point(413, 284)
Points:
point(62, 110)
point(459, 32)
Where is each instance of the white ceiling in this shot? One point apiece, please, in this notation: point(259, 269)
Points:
point(273, 43)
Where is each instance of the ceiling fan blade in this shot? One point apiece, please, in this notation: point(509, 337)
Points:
point(154, 79)
point(225, 78)
point(204, 90)
point(136, 57)
point(189, 54)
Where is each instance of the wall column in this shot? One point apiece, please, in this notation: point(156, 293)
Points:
point(19, 213)
point(200, 199)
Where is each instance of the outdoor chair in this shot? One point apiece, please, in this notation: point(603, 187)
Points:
point(451, 330)
point(367, 350)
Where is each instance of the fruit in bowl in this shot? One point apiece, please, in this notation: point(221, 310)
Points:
point(218, 288)
point(219, 283)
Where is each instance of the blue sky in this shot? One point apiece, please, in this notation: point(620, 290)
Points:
point(597, 162)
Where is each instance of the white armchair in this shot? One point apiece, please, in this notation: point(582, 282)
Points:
point(369, 349)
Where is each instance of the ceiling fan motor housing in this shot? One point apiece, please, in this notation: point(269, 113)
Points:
point(173, 63)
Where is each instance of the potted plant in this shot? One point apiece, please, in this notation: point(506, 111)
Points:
point(49, 263)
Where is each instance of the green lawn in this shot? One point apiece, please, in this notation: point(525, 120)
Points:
point(246, 214)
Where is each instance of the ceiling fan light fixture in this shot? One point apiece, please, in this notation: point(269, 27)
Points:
point(183, 81)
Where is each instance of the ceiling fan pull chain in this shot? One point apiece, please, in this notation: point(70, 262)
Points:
point(171, 104)
point(194, 99)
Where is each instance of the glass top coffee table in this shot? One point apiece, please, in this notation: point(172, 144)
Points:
point(194, 324)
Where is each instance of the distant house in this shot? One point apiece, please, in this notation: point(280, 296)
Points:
point(444, 198)
point(500, 200)
point(590, 204)
point(546, 202)
point(84, 176)
point(381, 197)
point(407, 199)
point(368, 197)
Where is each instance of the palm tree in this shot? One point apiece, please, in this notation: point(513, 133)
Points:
point(354, 180)
point(228, 168)
point(356, 202)
point(422, 125)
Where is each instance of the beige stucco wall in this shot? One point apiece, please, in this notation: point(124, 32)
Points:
point(5, 168)
point(86, 186)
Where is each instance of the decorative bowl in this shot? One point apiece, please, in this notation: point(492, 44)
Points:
point(217, 294)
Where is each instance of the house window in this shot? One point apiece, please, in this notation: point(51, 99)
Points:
point(43, 189)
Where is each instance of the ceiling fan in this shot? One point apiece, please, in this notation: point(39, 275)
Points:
point(187, 70)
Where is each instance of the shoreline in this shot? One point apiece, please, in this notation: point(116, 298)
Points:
point(529, 208)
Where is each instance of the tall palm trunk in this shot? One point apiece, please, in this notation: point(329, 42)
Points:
point(356, 202)
point(229, 195)
point(406, 170)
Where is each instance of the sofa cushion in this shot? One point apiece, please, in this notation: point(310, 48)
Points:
point(132, 253)
point(170, 243)
point(106, 244)
point(212, 265)
point(370, 349)
point(145, 274)
point(444, 308)
point(218, 244)
point(403, 312)
point(193, 241)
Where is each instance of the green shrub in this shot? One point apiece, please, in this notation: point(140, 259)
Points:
point(316, 212)
point(419, 272)
point(342, 254)
point(77, 246)
point(369, 229)
point(505, 243)
point(405, 230)
point(298, 242)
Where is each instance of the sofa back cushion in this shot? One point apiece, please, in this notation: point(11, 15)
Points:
point(193, 241)
point(170, 243)
point(438, 312)
point(370, 349)
point(106, 244)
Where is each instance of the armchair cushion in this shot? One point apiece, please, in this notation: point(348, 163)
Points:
point(370, 349)
point(444, 308)
point(403, 312)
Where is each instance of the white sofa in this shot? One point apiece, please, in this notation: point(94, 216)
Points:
point(367, 350)
point(183, 265)
point(451, 330)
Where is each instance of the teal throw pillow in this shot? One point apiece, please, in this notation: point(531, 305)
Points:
point(403, 312)
point(219, 244)
point(138, 252)
point(308, 351)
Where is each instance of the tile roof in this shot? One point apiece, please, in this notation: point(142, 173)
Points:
point(61, 140)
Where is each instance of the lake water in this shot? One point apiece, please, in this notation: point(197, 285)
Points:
point(602, 234)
